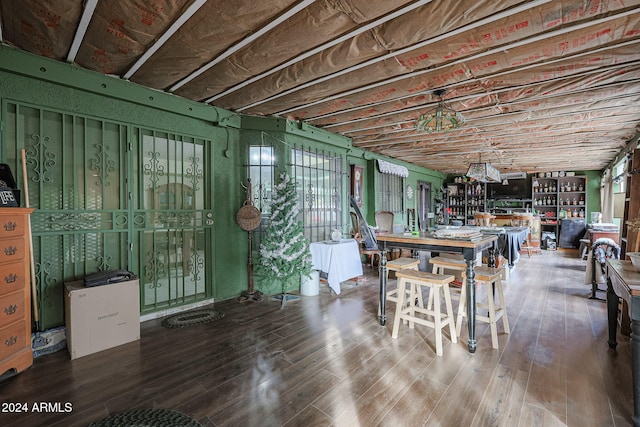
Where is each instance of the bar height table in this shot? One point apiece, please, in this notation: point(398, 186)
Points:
point(426, 242)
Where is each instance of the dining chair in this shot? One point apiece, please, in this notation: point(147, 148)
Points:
point(355, 225)
point(601, 250)
point(384, 221)
point(527, 243)
point(370, 253)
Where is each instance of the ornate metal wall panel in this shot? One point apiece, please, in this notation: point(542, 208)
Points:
point(75, 173)
point(171, 218)
point(319, 179)
point(91, 188)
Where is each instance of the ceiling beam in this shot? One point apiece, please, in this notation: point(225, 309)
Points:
point(490, 76)
point(489, 52)
point(244, 42)
point(494, 92)
point(87, 14)
point(393, 54)
point(389, 128)
point(321, 48)
point(191, 10)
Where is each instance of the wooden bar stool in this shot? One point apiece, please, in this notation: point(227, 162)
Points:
point(398, 264)
point(490, 277)
point(412, 313)
point(441, 265)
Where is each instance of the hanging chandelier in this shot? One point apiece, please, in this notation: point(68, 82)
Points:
point(483, 172)
point(442, 119)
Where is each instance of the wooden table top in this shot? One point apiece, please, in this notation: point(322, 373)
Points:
point(429, 239)
point(627, 273)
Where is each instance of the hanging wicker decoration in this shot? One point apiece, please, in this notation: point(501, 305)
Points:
point(248, 217)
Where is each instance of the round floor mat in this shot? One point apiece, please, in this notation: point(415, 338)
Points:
point(157, 417)
point(190, 318)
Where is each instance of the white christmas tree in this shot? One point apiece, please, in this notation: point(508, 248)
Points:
point(284, 251)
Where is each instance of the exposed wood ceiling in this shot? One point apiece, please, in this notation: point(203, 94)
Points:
point(543, 85)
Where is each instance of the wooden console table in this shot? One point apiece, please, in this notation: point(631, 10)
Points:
point(623, 281)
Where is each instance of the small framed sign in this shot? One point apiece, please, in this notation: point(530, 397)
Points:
point(7, 199)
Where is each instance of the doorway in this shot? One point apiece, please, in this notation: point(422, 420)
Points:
point(425, 215)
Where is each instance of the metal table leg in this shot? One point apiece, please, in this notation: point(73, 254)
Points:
point(383, 285)
point(471, 304)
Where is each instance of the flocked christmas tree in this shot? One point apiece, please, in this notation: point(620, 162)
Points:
point(284, 251)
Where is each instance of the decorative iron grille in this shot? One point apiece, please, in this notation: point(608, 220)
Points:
point(390, 194)
point(319, 179)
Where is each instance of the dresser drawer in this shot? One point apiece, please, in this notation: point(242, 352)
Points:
point(11, 308)
point(12, 339)
point(12, 250)
point(12, 277)
point(12, 226)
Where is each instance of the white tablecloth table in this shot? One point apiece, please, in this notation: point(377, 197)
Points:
point(340, 261)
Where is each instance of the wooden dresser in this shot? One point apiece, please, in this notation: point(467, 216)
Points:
point(15, 291)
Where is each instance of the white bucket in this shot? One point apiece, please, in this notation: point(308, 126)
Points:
point(310, 285)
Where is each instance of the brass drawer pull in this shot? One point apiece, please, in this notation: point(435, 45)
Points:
point(11, 340)
point(11, 250)
point(10, 226)
point(10, 310)
point(11, 278)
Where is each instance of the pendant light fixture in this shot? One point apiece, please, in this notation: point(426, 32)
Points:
point(441, 119)
point(483, 172)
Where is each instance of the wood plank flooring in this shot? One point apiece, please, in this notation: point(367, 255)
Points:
point(325, 361)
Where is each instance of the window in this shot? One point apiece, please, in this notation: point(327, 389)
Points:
point(618, 173)
point(261, 163)
point(390, 193)
point(261, 168)
point(318, 175)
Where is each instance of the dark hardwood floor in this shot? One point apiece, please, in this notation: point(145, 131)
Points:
point(325, 361)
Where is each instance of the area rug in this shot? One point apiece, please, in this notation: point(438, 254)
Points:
point(190, 318)
point(147, 418)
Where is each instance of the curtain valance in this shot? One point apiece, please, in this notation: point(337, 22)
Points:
point(392, 169)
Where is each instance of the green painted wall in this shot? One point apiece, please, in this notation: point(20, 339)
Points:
point(593, 191)
point(416, 173)
point(30, 79)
